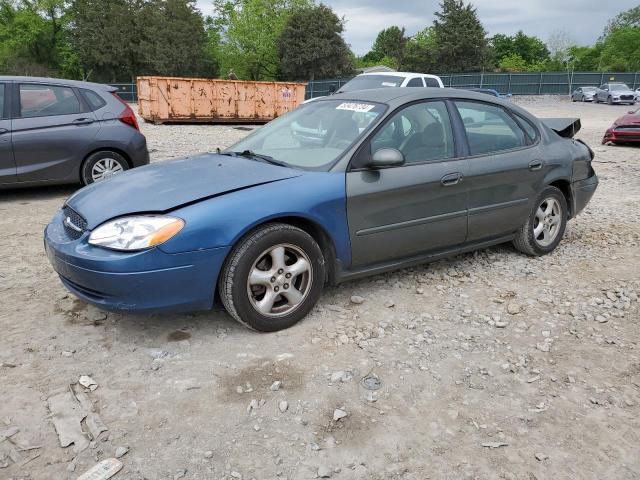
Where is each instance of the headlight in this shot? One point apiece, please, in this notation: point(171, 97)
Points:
point(136, 232)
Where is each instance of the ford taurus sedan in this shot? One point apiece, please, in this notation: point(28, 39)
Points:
point(351, 185)
point(55, 131)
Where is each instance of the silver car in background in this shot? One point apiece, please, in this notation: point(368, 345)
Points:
point(583, 94)
point(55, 131)
point(615, 93)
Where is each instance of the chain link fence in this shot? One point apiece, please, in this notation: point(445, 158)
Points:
point(542, 83)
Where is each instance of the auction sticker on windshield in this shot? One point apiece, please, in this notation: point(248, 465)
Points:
point(356, 107)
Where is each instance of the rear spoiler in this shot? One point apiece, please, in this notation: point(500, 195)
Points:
point(565, 127)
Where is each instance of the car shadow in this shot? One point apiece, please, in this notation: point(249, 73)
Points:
point(28, 194)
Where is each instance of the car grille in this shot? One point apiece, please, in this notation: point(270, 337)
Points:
point(74, 224)
point(627, 97)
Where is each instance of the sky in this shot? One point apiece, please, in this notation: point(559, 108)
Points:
point(582, 20)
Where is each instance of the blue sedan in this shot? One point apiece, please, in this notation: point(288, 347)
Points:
point(351, 185)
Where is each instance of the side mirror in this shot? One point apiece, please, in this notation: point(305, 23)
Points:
point(386, 157)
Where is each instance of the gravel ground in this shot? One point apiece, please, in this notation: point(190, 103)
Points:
point(491, 365)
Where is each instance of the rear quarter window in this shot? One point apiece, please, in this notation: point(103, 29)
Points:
point(94, 100)
point(431, 82)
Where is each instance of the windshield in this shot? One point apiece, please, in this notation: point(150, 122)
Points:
point(367, 82)
point(313, 135)
point(616, 87)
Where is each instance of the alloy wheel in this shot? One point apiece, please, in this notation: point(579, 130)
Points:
point(105, 168)
point(547, 222)
point(279, 280)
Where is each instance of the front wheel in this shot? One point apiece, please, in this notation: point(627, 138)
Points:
point(102, 165)
point(545, 226)
point(609, 101)
point(272, 278)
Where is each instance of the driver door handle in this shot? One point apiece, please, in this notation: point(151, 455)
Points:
point(535, 165)
point(82, 121)
point(451, 179)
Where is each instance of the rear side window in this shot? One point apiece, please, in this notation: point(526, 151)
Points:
point(431, 82)
point(94, 100)
point(415, 82)
point(1, 100)
point(44, 100)
point(532, 132)
point(489, 128)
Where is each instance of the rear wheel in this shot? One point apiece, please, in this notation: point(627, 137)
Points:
point(272, 278)
point(545, 225)
point(102, 165)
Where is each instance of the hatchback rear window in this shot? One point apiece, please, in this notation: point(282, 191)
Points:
point(43, 100)
point(94, 100)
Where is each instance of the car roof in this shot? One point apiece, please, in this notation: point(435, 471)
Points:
point(58, 81)
point(396, 95)
point(399, 74)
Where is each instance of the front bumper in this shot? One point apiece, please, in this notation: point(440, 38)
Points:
point(581, 193)
point(145, 281)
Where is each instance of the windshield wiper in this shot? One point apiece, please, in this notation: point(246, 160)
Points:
point(259, 156)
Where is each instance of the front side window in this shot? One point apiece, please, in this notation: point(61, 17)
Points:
point(489, 128)
point(313, 135)
point(422, 132)
point(44, 100)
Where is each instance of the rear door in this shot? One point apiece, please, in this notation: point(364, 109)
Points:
point(506, 168)
point(7, 164)
point(409, 210)
point(52, 132)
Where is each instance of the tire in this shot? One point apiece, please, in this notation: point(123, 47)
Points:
point(609, 101)
point(526, 240)
point(573, 98)
point(112, 163)
point(595, 99)
point(258, 305)
point(583, 99)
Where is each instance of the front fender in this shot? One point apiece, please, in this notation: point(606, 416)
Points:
point(318, 197)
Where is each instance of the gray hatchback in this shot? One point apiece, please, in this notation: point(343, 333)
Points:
point(63, 131)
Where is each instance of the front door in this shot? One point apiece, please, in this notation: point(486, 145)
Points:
point(506, 169)
point(419, 207)
point(51, 133)
point(7, 164)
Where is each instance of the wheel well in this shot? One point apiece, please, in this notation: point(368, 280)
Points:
point(319, 235)
point(117, 150)
point(565, 187)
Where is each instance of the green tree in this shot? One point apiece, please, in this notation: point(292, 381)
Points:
point(119, 39)
point(513, 63)
point(585, 59)
point(628, 18)
point(249, 32)
point(460, 38)
point(311, 45)
point(390, 42)
point(518, 52)
point(621, 50)
point(420, 51)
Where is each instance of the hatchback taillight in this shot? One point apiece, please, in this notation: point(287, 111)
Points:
point(127, 116)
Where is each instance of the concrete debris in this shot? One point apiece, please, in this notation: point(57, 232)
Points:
point(103, 470)
point(121, 451)
point(339, 414)
point(88, 382)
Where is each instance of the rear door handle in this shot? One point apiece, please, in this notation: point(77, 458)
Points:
point(535, 165)
point(82, 121)
point(451, 179)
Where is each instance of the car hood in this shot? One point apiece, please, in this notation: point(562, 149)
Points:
point(164, 186)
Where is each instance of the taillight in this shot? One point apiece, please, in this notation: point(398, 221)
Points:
point(127, 116)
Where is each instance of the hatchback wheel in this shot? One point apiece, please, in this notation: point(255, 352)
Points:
point(545, 225)
point(272, 278)
point(102, 165)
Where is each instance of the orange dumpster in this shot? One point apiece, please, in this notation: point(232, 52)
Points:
point(173, 99)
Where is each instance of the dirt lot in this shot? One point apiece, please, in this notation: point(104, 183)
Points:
point(492, 365)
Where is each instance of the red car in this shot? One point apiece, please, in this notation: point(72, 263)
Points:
point(624, 129)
